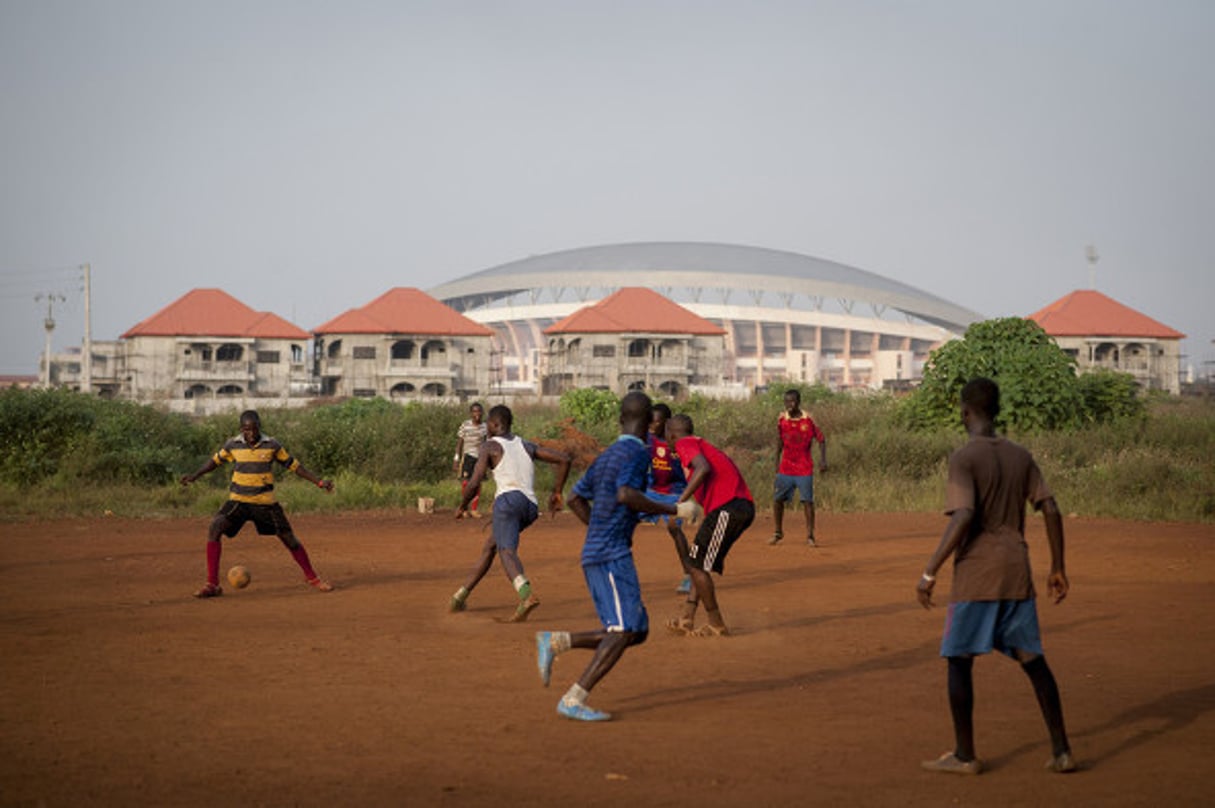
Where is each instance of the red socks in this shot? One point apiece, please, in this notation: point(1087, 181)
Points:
point(213, 551)
point(301, 557)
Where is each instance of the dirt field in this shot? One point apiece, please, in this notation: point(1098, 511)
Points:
point(120, 689)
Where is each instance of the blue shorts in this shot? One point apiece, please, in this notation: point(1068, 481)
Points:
point(617, 595)
point(975, 627)
point(785, 483)
point(513, 512)
point(667, 499)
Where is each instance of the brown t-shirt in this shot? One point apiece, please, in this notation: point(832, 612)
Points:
point(994, 477)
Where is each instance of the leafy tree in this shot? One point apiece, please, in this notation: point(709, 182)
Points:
point(1038, 386)
point(1109, 395)
point(590, 407)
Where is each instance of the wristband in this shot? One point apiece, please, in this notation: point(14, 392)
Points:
point(455, 458)
point(926, 578)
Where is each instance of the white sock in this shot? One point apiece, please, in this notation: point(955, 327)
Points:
point(560, 641)
point(575, 695)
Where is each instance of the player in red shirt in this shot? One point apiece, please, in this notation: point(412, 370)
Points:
point(718, 486)
point(796, 433)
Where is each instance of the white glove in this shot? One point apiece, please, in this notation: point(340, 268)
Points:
point(689, 511)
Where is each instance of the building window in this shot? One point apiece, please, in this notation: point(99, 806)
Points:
point(603, 351)
point(639, 349)
point(267, 357)
point(402, 349)
point(363, 352)
point(335, 349)
point(229, 390)
point(297, 354)
point(229, 352)
point(363, 392)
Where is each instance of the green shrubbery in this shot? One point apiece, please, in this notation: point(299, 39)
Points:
point(63, 453)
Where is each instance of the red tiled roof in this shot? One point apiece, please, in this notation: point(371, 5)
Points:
point(405, 311)
point(1088, 313)
point(214, 313)
point(634, 309)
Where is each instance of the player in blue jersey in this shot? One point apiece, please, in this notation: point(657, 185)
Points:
point(607, 499)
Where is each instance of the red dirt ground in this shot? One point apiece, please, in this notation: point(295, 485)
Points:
point(121, 689)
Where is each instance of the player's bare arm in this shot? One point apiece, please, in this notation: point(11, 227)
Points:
point(455, 461)
point(562, 461)
point(206, 468)
point(581, 509)
point(700, 472)
point(315, 479)
point(822, 455)
point(1056, 583)
point(955, 531)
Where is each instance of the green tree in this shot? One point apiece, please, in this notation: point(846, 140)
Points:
point(1038, 386)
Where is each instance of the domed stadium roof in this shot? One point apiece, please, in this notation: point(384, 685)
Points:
point(697, 266)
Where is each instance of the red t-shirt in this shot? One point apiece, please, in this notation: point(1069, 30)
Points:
point(797, 436)
point(725, 481)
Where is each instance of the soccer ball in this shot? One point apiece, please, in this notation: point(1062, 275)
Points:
point(239, 577)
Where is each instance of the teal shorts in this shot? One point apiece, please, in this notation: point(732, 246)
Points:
point(974, 627)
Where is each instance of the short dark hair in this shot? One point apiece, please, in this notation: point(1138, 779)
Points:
point(793, 391)
point(250, 415)
point(502, 414)
point(982, 394)
point(684, 422)
point(663, 410)
point(636, 405)
point(476, 405)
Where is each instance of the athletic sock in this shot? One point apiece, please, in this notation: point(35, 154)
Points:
point(523, 587)
point(213, 551)
point(962, 706)
point(1047, 691)
point(461, 594)
point(301, 557)
point(575, 695)
point(560, 642)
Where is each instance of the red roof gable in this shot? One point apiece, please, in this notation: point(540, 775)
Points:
point(1088, 313)
point(214, 313)
point(634, 309)
point(405, 311)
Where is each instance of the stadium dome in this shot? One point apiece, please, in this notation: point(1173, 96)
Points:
point(786, 315)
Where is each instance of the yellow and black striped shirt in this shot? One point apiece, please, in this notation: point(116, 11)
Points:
point(253, 474)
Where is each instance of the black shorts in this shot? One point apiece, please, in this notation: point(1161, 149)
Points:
point(270, 520)
point(718, 532)
point(466, 466)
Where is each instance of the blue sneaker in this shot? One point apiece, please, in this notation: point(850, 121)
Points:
point(545, 655)
point(685, 586)
point(580, 712)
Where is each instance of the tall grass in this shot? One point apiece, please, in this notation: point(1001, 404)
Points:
point(62, 454)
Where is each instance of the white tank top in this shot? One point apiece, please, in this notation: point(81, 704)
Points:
point(515, 470)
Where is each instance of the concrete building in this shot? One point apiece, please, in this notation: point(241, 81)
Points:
point(785, 315)
point(404, 344)
point(633, 339)
point(1099, 332)
point(204, 352)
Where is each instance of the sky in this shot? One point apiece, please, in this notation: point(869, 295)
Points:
point(307, 156)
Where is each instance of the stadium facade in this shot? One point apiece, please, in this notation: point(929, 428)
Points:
point(786, 316)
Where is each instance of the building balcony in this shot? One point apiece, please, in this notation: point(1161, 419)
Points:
point(216, 372)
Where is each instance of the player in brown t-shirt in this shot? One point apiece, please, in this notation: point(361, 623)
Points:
point(992, 599)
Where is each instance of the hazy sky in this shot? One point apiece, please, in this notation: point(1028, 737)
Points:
point(308, 156)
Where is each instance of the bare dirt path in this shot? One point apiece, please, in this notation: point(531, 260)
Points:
point(120, 689)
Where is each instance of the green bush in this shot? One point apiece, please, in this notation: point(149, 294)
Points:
point(1108, 395)
point(1038, 387)
point(66, 454)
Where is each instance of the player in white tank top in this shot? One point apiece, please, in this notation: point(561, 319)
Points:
point(515, 507)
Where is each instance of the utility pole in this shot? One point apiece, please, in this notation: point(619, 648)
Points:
point(86, 379)
point(49, 325)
